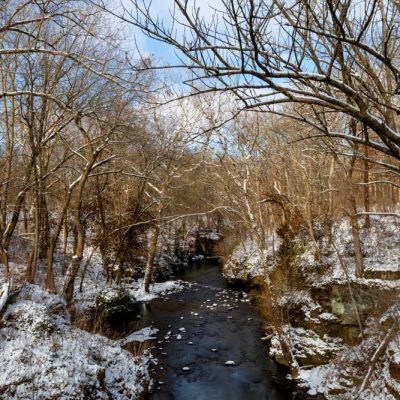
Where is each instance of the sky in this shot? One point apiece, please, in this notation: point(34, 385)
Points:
point(162, 9)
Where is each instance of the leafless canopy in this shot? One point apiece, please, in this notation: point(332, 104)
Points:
point(335, 60)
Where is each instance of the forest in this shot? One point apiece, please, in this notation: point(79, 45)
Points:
point(200, 199)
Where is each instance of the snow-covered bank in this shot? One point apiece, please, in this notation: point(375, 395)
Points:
point(368, 371)
point(156, 289)
point(43, 355)
point(380, 247)
point(87, 302)
point(244, 264)
point(324, 304)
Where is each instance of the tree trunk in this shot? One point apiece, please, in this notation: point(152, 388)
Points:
point(11, 225)
point(355, 229)
point(31, 267)
point(79, 239)
point(73, 268)
point(65, 243)
point(155, 231)
point(288, 355)
point(44, 232)
point(62, 220)
point(367, 221)
point(79, 245)
point(311, 231)
point(85, 269)
point(6, 264)
point(26, 218)
point(50, 284)
point(5, 295)
point(70, 277)
point(120, 272)
point(331, 203)
point(377, 356)
point(282, 336)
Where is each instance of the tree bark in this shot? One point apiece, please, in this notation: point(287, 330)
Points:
point(355, 229)
point(5, 262)
point(148, 275)
point(70, 276)
point(65, 243)
point(367, 221)
point(74, 265)
point(50, 284)
point(31, 267)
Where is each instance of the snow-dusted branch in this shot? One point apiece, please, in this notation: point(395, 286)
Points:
point(380, 214)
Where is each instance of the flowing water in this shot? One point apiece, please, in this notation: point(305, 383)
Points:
point(218, 325)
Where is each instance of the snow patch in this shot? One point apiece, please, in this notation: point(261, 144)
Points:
point(142, 335)
point(42, 353)
point(156, 289)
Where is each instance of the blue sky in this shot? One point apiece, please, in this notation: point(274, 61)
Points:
point(162, 9)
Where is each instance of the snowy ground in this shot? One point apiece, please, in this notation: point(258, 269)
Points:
point(245, 260)
point(341, 378)
point(329, 366)
point(306, 345)
point(45, 355)
point(85, 300)
point(380, 246)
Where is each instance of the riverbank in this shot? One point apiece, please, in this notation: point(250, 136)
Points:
point(53, 350)
point(341, 329)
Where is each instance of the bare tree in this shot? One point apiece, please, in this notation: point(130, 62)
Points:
point(177, 154)
point(330, 56)
point(57, 68)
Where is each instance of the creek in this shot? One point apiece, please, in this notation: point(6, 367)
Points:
point(215, 324)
